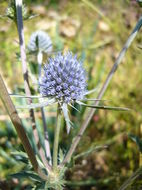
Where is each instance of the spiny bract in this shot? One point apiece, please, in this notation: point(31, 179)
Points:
point(63, 79)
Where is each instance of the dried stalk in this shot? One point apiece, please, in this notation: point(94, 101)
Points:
point(102, 91)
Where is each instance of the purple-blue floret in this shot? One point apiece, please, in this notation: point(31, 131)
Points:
point(64, 78)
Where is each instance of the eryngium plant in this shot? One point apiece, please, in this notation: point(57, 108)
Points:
point(64, 81)
point(69, 86)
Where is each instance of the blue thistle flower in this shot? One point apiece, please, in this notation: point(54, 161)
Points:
point(64, 79)
point(64, 82)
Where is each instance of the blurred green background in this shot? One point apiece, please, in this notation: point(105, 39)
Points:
point(96, 32)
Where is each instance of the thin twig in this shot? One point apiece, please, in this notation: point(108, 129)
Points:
point(102, 91)
point(19, 127)
point(26, 80)
point(46, 136)
point(56, 138)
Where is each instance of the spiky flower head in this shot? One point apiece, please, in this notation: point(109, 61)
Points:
point(63, 79)
point(40, 41)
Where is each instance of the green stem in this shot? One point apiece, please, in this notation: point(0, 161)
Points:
point(56, 138)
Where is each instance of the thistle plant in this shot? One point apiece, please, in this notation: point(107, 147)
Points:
point(63, 81)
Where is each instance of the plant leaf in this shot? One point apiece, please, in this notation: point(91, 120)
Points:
point(21, 156)
point(104, 107)
point(27, 174)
